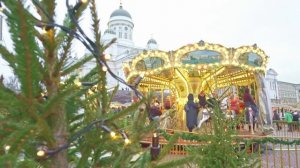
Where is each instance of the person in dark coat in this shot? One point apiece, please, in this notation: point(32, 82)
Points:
point(295, 116)
point(249, 102)
point(191, 109)
point(155, 111)
point(276, 117)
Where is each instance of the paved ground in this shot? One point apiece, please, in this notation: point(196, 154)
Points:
point(284, 158)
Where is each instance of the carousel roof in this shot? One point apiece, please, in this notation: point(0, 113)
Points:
point(194, 66)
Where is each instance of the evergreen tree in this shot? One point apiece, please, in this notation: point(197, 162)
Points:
point(62, 120)
point(58, 119)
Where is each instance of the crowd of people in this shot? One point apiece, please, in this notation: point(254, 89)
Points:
point(231, 106)
point(288, 115)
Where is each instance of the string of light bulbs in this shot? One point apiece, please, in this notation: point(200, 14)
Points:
point(43, 151)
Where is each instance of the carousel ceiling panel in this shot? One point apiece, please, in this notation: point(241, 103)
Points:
point(251, 59)
point(202, 57)
point(149, 63)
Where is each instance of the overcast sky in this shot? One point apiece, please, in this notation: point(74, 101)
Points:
point(274, 25)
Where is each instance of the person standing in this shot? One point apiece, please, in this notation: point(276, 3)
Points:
point(202, 99)
point(249, 102)
point(234, 104)
point(155, 112)
point(276, 118)
point(288, 116)
point(191, 109)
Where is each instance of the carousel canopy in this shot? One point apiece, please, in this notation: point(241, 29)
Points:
point(196, 67)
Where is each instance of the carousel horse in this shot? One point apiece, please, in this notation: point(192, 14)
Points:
point(251, 118)
point(205, 117)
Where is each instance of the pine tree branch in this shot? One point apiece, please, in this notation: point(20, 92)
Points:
point(113, 93)
point(103, 99)
point(127, 110)
point(49, 8)
point(10, 101)
point(95, 24)
point(91, 75)
point(45, 13)
point(77, 65)
point(57, 99)
point(68, 41)
point(8, 56)
point(30, 80)
point(175, 163)
point(26, 48)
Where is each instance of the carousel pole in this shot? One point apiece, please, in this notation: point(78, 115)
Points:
point(259, 120)
point(162, 98)
point(251, 119)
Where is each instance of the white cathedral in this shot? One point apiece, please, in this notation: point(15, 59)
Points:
point(120, 26)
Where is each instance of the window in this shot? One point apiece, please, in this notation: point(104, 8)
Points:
point(120, 34)
point(125, 35)
point(126, 28)
point(273, 85)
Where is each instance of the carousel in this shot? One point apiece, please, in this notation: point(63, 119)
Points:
point(200, 67)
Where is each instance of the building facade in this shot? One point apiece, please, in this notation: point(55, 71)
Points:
point(1, 27)
point(282, 93)
point(121, 27)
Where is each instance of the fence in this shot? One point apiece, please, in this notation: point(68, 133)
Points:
point(281, 149)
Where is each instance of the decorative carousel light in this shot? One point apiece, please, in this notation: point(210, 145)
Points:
point(84, 1)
